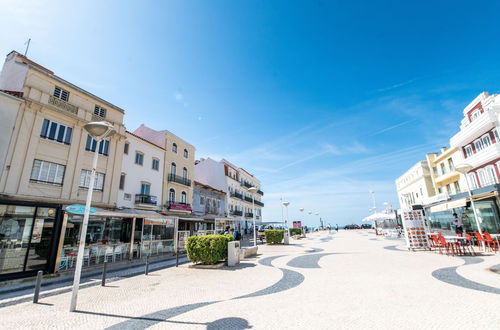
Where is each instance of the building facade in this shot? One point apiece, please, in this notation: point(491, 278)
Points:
point(415, 185)
point(141, 177)
point(234, 181)
point(445, 179)
point(9, 109)
point(48, 162)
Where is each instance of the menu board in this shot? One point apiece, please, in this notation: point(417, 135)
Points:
point(415, 230)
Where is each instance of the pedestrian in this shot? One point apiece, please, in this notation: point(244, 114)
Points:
point(227, 230)
point(337, 228)
point(458, 224)
point(329, 229)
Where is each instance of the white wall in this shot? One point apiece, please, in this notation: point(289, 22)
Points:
point(13, 74)
point(136, 174)
point(9, 108)
point(211, 173)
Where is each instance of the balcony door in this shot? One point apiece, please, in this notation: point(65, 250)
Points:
point(145, 189)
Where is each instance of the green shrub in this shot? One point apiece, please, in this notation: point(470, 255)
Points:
point(208, 249)
point(295, 231)
point(274, 236)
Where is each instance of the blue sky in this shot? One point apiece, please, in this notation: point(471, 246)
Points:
point(322, 100)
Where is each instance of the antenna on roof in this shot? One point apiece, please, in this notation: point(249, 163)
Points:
point(27, 43)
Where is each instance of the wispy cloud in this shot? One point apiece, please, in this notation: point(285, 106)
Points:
point(392, 127)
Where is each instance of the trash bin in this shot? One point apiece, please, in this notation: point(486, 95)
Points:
point(233, 253)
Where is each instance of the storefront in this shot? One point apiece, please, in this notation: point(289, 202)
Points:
point(114, 236)
point(196, 226)
point(440, 215)
point(29, 234)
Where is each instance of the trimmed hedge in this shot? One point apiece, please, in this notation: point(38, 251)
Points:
point(208, 249)
point(274, 236)
point(295, 231)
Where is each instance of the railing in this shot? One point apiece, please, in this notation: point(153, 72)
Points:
point(248, 199)
point(61, 104)
point(238, 213)
point(237, 195)
point(179, 179)
point(259, 203)
point(246, 184)
point(260, 192)
point(145, 199)
point(249, 215)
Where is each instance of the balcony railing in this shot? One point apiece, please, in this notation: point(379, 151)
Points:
point(238, 213)
point(145, 199)
point(248, 199)
point(246, 184)
point(61, 104)
point(237, 195)
point(259, 203)
point(249, 215)
point(260, 192)
point(179, 179)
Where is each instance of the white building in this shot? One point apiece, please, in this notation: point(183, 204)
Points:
point(415, 185)
point(141, 180)
point(234, 181)
point(9, 108)
point(478, 140)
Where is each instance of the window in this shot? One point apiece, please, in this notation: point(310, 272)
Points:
point(435, 170)
point(122, 181)
point(457, 187)
point(100, 111)
point(85, 180)
point(185, 173)
point(139, 158)
point(156, 164)
point(47, 172)
point(171, 195)
point(486, 140)
point(102, 149)
point(56, 132)
point(186, 153)
point(495, 134)
point(61, 94)
point(443, 169)
point(468, 150)
point(478, 144)
point(440, 190)
point(173, 168)
point(483, 181)
point(174, 148)
point(125, 148)
point(474, 115)
point(450, 164)
point(183, 197)
point(448, 189)
point(127, 197)
point(202, 200)
point(490, 175)
point(471, 177)
point(145, 188)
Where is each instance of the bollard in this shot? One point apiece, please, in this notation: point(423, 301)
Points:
point(146, 271)
point(177, 259)
point(38, 284)
point(104, 267)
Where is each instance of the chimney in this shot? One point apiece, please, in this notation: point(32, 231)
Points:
point(443, 149)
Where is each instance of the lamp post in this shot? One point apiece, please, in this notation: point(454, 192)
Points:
point(285, 233)
point(302, 227)
point(253, 190)
point(374, 207)
point(464, 169)
point(98, 130)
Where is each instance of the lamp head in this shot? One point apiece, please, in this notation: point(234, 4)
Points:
point(301, 209)
point(99, 129)
point(286, 203)
point(252, 189)
point(463, 168)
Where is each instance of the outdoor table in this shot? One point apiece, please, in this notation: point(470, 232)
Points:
point(495, 236)
point(456, 238)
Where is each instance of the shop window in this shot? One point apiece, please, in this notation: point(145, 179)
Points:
point(47, 172)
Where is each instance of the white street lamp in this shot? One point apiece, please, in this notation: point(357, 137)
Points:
point(285, 232)
point(463, 169)
point(303, 231)
point(98, 130)
point(253, 190)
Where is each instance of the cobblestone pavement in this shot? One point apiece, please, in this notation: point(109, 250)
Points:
point(345, 280)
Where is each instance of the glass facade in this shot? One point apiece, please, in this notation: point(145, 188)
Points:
point(26, 238)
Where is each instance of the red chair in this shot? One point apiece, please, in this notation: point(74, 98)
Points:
point(479, 239)
point(447, 245)
point(435, 243)
point(490, 241)
point(468, 244)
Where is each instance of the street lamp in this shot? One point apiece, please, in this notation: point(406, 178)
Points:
point(463, 169)
point(285, 233)
point(303, 231)
point(253, 190)
point(98, 130)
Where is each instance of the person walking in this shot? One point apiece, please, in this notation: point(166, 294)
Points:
point(458, 224)
point(337, 228)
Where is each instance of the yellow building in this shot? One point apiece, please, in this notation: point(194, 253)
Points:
point(445, 179)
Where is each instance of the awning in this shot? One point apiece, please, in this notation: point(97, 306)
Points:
point(127, 213)
point(449, 205)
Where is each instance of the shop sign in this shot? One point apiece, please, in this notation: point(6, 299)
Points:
point(78, 209)
point(154, 221)
point(180, 207)
point(415, 230)
point(297, 224)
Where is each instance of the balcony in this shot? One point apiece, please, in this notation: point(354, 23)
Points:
point(237, 213)
point(473, 130)
point(178, 206)
point(63, 105)
point(145, 199)
point(246, 184)
point(484, 156)
point(248, 215)
point(260, 192)
point(248, 199)
point(179, 179)
point(237, 195)
point(259, 203)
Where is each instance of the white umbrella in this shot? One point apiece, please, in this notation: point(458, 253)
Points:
point(379, 216)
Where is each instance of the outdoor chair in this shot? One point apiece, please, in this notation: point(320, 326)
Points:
point(447, 245)
point(490, 242)
point(436, 244)
point(479, 239)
